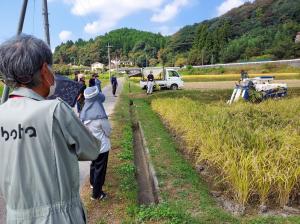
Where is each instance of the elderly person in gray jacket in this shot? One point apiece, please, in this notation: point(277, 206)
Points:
point(94, 117)
point(41, 140)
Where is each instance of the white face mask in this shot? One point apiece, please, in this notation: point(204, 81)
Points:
point(52, 89)
point(53, 86)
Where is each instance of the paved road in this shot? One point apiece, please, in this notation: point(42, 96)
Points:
point(230, 84)
point(109, 106)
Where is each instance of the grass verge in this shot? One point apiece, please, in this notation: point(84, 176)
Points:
point(120, 182)
point(1, 89)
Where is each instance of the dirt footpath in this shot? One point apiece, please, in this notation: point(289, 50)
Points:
point(230, 84)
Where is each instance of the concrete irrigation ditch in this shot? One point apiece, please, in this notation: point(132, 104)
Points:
point(148, 191)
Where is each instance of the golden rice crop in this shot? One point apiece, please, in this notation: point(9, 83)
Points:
point(255, 147)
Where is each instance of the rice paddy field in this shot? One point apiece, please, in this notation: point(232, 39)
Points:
point(236, 77)
point(246, 155)
point(228, 77)
point(253, 150)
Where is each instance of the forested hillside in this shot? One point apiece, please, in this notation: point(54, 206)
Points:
point(127, 44)
point(264, 29)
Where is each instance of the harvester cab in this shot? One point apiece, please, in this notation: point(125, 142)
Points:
point(258, 89)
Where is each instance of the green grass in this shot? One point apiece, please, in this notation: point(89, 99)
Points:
point(120, 184)
point(205, 96)
point(125, 170)
point(1, 89)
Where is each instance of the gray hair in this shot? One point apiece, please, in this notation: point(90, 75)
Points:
point(21, 59)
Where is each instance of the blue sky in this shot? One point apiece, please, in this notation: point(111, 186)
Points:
point(73, 19)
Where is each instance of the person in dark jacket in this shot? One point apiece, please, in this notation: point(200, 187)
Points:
point(150, 83)
point(114, 84)
point(80, 98)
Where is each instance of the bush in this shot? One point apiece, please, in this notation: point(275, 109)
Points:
point(62, 69)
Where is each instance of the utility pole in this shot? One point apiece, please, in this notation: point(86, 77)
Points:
point(117, 65)
point(108, 53)
point(46, 22)
point(19, 31)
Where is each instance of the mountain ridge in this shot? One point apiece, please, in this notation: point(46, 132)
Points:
point(264, 29)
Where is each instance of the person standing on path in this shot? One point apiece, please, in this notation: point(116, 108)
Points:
point(76, 76)
point(80, 98)
point(41, 140)
point(94, 81)
point(109, 106)
point(97, 82)
point(93, 115)
point(114, 84)
point(150, 83)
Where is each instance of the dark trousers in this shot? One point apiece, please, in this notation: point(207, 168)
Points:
point(97, 173)
point(114, 89)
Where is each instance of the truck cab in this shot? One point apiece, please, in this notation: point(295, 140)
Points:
point(164, 77)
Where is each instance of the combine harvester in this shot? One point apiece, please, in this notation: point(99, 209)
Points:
point(258, 89)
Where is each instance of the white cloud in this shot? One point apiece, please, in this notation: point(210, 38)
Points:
point(110, 12)
point(166, 30)
point(169, 11)
point(230, 4)
point(65, 35)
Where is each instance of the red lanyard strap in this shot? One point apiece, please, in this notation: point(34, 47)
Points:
point(14, 96)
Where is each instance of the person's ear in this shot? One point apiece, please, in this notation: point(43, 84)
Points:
point(44, 69)
point(46, 74)
point(43, 74)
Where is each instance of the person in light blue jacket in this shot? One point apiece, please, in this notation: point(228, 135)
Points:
point(95, 118)
point(41, 140)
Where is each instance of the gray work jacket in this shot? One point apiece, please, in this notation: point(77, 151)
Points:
point(41, 142)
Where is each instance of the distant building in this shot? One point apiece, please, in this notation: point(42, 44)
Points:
point(97, 66)
point(126, 63)
point(119, 63)
point(114, 64)
point(297, 40)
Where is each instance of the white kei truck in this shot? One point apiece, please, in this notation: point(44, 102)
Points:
point(165, 78)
